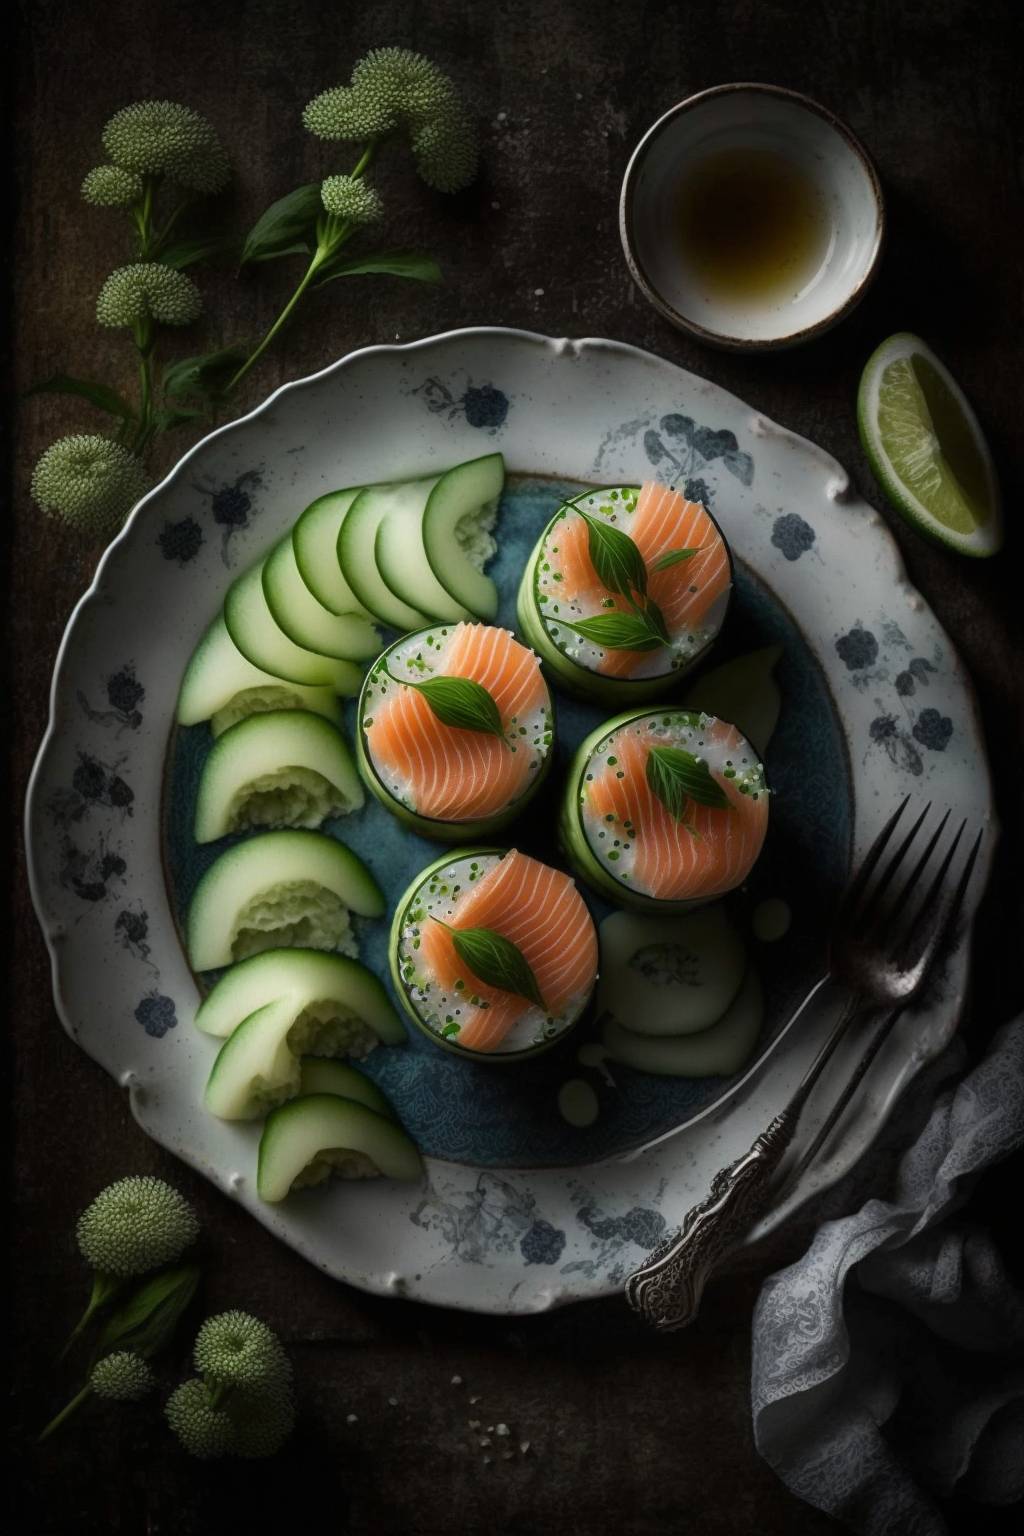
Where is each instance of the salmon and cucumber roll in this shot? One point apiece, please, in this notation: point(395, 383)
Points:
point(493, 954)
point(626, 589)
point(455, 730)
point(664, 809)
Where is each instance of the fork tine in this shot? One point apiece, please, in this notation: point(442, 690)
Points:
point(871, 858)
point(932, 915)
point(899, 901)
point(869, 907)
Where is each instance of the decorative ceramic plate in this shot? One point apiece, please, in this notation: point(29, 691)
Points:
point(519, 1210)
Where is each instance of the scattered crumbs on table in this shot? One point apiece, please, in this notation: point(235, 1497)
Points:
point(502, 1430)
point(392, 1402)
point(485, 1441)
point(474, 1423)
point(539, 292)
point(456, 1381)
point(488, 1460)
point(524, 1446)
point(507, 1456)
point(351, 1418)
point(495, 206)
point(490, 1429)
point(473, 1401)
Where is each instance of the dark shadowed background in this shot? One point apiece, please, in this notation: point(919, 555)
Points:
point(629, 1434)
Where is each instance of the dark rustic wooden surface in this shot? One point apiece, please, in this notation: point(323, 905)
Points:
point(628, 1434)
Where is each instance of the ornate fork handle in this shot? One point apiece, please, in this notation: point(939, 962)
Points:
point(667, 1289)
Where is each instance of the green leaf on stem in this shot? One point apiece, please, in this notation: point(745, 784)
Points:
point(187, 251)
point(616, 631)
point(460, 702)
point(205, 375)
point(495, 961)
point(413, 264)
point(675, 776)
point(166, 420)
point(286, 228)
point(99, 394)
point(672, 557)
point(146, 1322)
point(655, 620)
point(614, 556)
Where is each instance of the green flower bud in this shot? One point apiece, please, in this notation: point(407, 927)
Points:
point(352, 199)
point(110, 186)
point(235, 1349)
point(92, 483)
point(123, 1377)
point(203, 1430)
point(139, 1223)
point(445, 150)
point(342, 113)
point(148, 290)
point(166, 138)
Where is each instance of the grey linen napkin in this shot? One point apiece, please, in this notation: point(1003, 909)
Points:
point(888, 1362)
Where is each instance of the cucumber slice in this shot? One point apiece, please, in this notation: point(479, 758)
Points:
point(221, 686)
point(401, 558)
point(357, 551)
point(669, 976)
point(319, 1074)
point(258, 1066)
point(278, 889)
point(305, 976)
point(457, 521)
point(716, 1052)
point(287, 768)
point(315, 540)
point(305, 620)
point(261, 639)
point(255, 1069)
point(304, 1142)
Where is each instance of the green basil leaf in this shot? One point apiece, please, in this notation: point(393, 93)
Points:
point(414, 264)
point(187, 251)
point(616, 631)
point(461, 702)
point(496, 961)
point(287, 226)
point(146, 1322)
point(99, 394)
point(675, 776)
point(672, 557)
point(655, 620)
point(205, 375)
point(616, 559)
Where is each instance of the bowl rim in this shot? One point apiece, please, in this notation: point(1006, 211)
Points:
point(627, 205)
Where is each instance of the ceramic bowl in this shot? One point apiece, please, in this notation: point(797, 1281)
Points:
point(758, 118)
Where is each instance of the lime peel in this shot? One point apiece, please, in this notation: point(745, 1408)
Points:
point(926, 448)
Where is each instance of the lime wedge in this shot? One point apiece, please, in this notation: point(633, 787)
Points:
point(926, 448)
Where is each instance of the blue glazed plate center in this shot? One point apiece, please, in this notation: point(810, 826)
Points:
point(494, 1116)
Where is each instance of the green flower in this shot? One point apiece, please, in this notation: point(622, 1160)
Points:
point(93, 483)
point(122, 1377)
point(166, 138)
point(111, 186)
point(148, 290)
point(235, 1349)
point(261, 1421)
point(342, 113)
point(350, 198)
point(446, 151)
point(204, 1431)
point(139, 1223)
point(411, 85)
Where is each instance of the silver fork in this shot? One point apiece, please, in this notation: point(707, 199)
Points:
point(885, 938)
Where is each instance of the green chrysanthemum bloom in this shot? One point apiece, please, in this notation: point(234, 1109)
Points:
point(261, 1421)
point(139, 1223)
point(147, 290)
point(446, 151)
point(92, 483)
point(166, 138)
point(342, 113)
point(111, 186)
point(352, 199)
point(409, 83)
point(203, 1430)
point(123, 1377)
point(236, 1349)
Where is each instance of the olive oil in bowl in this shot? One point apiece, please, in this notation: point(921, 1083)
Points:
point(752, 227)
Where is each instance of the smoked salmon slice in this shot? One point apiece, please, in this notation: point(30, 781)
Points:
point(445, 771)
point(710, 851)
point(540, 910)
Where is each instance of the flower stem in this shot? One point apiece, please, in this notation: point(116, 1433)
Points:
point(66, 1412)
point(331, 235)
